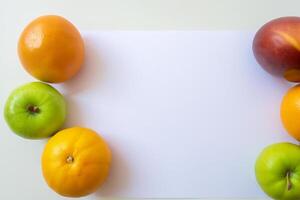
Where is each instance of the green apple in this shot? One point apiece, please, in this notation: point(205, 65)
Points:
point(277, 171)
point(35, 110)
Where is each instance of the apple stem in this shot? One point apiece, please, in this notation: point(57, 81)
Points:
point(288, 178)
point(33, 109)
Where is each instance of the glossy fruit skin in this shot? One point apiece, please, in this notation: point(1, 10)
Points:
point(50, 110)
point(51, 49)
point(276, 47)
point(290, 112)
point(277, 171)
point(75, 162)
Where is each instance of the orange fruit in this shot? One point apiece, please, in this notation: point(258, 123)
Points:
point(290, 111)
point(75, 162)
point(51, 49)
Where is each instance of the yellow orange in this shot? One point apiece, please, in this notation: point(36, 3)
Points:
point(51, 49)
point(290, 111)
point(75, 162)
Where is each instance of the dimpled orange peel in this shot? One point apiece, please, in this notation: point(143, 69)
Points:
point(75, 162)
point(51, 49)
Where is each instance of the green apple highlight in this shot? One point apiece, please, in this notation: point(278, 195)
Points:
point(35, 110)
point(277, 171)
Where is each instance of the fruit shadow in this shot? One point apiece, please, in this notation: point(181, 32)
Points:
point(118, 178)
point(90, 75)
point(75, 114)
point(86, 79)
point(119, 175)
point(89, 78)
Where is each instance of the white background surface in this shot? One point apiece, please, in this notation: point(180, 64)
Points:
point(19, 165)
point(185, 113)
point(149, 14)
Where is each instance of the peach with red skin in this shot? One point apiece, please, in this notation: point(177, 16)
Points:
point(276, 47)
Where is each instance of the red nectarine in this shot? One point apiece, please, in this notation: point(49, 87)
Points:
point(276, 47)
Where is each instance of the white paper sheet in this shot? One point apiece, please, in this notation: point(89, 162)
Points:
point(185, 113)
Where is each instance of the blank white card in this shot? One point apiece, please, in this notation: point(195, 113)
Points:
point(185, 113)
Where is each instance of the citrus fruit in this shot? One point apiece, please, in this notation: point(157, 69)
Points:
point(290, 111)
point(75, 162)
point(51, 49)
